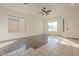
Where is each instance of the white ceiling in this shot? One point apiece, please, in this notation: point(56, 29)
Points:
point(35, 8)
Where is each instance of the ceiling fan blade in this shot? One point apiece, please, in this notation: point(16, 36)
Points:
point(44, 8)
point(47, 13)
point(42, 13)
point(49, 10)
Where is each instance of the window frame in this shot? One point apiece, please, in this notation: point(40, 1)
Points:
point(17, 18)
point(52, 30)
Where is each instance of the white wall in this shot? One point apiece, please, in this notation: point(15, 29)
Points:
point(33, 24)
point(59, 27)
point(71, 20)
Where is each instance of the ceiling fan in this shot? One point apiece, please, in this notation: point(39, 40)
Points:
point(44, 11)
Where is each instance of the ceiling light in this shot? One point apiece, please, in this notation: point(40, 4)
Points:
point(72, 4)
point(25, 4)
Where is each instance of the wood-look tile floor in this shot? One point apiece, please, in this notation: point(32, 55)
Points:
point(41, 45)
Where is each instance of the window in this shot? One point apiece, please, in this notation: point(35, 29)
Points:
point(52, 26)
point(16, 24)
point(22, 27)
point(12, 24)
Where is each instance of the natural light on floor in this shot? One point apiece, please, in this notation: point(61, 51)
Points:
point(74, 44)
point(7, 43)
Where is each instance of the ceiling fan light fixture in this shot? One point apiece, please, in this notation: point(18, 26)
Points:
point(72, 4)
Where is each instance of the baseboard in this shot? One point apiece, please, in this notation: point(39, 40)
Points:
point(72, 38)
point(20, 38)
